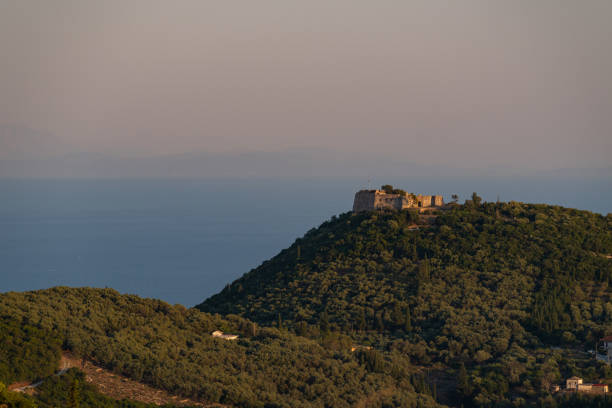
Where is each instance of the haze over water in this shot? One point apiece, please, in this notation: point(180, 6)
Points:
point(476, 83)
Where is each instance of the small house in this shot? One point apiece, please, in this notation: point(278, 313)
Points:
point(220, 335)
point(572, 383)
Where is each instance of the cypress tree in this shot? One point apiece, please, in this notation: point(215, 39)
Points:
point(362, 320)
point(324, 322)
point(380, 324)
point(408, 321)
point(396, 315)
point(434, 391)
point(75, 397)
point(463, 382)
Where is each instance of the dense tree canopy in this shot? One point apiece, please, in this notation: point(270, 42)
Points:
point(379, 265)
point(483, 284)
point(26, 352)
point(171, 347)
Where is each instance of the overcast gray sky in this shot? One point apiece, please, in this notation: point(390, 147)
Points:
point(525, 84)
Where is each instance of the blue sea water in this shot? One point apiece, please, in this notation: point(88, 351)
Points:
point(180, 241)
point(184, 240)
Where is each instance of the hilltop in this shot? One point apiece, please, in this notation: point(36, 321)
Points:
point(372, 262)
point(480, 285)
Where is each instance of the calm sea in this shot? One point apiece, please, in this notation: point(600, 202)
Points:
point(182, 241)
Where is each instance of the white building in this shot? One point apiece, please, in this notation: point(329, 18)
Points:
point(572, 383)
point(575, 384)
point(219, 334)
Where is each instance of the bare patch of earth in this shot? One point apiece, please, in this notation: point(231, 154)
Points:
point(119, 387)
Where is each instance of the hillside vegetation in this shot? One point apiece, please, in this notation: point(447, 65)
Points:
point(485, 285)
point(27, 352)
point(170, 347)
point(375, 309)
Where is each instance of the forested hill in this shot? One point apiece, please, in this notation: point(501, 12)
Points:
point(368, 310)
point(486, 286)
point(472, 282)
point(171, 348)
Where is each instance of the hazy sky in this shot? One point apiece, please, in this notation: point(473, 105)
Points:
point(509, 83)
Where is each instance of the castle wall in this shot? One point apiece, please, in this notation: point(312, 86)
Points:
point(409, 202)
point(368, 200)
point(424, 201)
point(387, 201)
point(364, 200)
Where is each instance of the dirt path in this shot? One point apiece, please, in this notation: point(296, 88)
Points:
point(113, 385)
point(119, 387)
point(24, 387)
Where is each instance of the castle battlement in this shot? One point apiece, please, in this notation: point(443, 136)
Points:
point(370, 200)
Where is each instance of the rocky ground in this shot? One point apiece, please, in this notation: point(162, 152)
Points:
point(114, 385)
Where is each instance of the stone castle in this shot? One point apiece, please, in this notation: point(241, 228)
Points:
point(369, 200)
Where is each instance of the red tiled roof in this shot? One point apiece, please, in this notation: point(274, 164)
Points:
point(607, 338)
